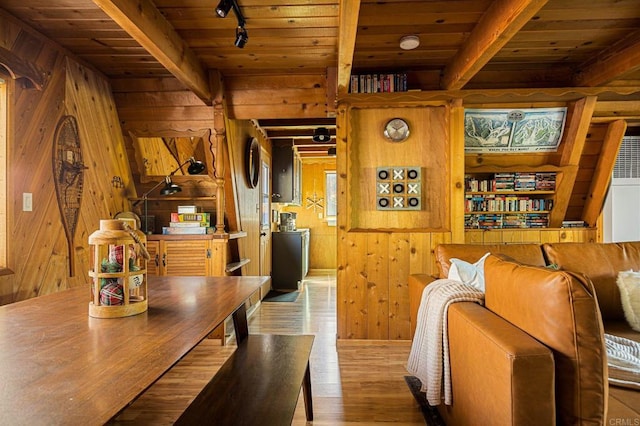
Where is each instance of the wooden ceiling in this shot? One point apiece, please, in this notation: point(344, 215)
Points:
point(464, 44)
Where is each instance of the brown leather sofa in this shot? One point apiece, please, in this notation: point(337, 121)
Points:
point(534, 354)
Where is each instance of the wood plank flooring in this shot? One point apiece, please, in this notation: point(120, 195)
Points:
point(354, 383)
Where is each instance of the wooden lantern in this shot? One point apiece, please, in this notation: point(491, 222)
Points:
point(119, 260)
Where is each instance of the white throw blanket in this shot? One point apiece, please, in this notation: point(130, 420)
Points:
point(429, 356)
point(623, 359)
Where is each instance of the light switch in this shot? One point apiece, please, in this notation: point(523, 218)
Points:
point(27, 202)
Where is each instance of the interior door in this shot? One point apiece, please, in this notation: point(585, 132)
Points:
point(265, 213)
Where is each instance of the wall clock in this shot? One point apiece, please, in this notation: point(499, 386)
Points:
point(396, 130)
point(252, 162)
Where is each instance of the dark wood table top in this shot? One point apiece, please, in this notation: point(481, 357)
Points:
point(60, 366)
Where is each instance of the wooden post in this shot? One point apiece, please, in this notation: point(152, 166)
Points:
point(217, 88)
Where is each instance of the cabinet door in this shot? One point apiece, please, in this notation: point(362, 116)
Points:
point(283, 174)
point(153, 264)
point(185, 258)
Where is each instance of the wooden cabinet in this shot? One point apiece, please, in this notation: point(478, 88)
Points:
point(200, 255)
point(175, 258)
point(287, 175)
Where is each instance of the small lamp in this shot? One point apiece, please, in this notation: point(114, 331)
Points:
point(195, 167)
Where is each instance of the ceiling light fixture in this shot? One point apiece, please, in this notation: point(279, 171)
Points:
point(223, 8)
point(241, 37)
point(409, 42)
point(321, 134)
point(241, 33)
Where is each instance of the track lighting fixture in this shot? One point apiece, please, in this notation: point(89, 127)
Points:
point(241, 37)
point(223, 8)
point(321, 134)
point(241, 33)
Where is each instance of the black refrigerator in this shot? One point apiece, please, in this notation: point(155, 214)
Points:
point(289, 258)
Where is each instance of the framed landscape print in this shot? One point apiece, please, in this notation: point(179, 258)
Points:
point(513, 130)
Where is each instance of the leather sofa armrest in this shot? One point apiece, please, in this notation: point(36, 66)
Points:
point(500, 374)
point(417, 283)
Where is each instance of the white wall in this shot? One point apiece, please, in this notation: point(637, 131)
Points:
point(621, 212)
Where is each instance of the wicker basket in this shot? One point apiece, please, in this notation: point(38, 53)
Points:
point(119, 260)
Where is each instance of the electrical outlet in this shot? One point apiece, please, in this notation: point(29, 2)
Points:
point(27, 202)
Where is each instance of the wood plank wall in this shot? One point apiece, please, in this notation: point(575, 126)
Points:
point(322, 237)
point(374, 261)
point(37, 243)
point(238, 134)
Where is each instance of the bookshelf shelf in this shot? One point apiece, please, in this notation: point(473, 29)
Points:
point(505, 200)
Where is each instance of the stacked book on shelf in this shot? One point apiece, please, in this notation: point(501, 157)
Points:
point(378, 83)
point(506, 220)
point(505, 203)
point(188, 221)
point(511, 182)
point(545, 181)
point(574, 224)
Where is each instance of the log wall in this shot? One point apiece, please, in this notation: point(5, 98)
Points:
point(37, 245)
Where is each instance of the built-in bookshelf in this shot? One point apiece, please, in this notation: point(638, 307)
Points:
point(509, 200)
point(378, 83)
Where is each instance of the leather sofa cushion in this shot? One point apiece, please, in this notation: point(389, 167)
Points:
point(559, 309)
point(529, 254)
point(601, 262)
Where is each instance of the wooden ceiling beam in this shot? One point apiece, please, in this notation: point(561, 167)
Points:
point(609, 65)
point(348, 28)
point(604, 169)
point(144, 22)
point(498, 25)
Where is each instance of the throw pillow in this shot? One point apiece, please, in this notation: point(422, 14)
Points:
point(467, 273)
point(629, 285)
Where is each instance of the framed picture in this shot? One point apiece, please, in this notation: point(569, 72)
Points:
point(513, 130)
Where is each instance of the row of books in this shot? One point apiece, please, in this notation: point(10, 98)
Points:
point(506, 221)
point(574, 224)
point(378, 83)
point(504, 203)
point(188, 221)
point(539, 181)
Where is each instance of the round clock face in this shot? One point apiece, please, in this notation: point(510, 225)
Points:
point(396, 130)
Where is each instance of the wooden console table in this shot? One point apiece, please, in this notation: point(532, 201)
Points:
point(60, 366)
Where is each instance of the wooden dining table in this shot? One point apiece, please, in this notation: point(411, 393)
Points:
point(60, 366)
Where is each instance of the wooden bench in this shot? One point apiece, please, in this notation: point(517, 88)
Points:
point(259, 384)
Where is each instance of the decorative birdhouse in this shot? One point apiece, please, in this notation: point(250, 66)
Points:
point(119, 262)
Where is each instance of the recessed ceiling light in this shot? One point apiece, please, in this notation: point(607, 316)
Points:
point(409, 42)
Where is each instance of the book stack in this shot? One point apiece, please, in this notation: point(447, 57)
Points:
point(378, 83)
point(504, 181)
point(546, 181)
point(524, 182)
point(188, 221)
point(574, 224)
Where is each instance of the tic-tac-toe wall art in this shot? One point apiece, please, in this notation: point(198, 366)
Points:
point(398, 188)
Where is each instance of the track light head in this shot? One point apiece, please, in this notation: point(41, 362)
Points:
point(321, 134)
point(223, 8)
point(241, 37)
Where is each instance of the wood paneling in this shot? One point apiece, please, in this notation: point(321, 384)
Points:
point(37, 242)
point(374, 261)
point(322, 240)
point(239, 132)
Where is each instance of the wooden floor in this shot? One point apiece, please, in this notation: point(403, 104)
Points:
point(355, 383)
